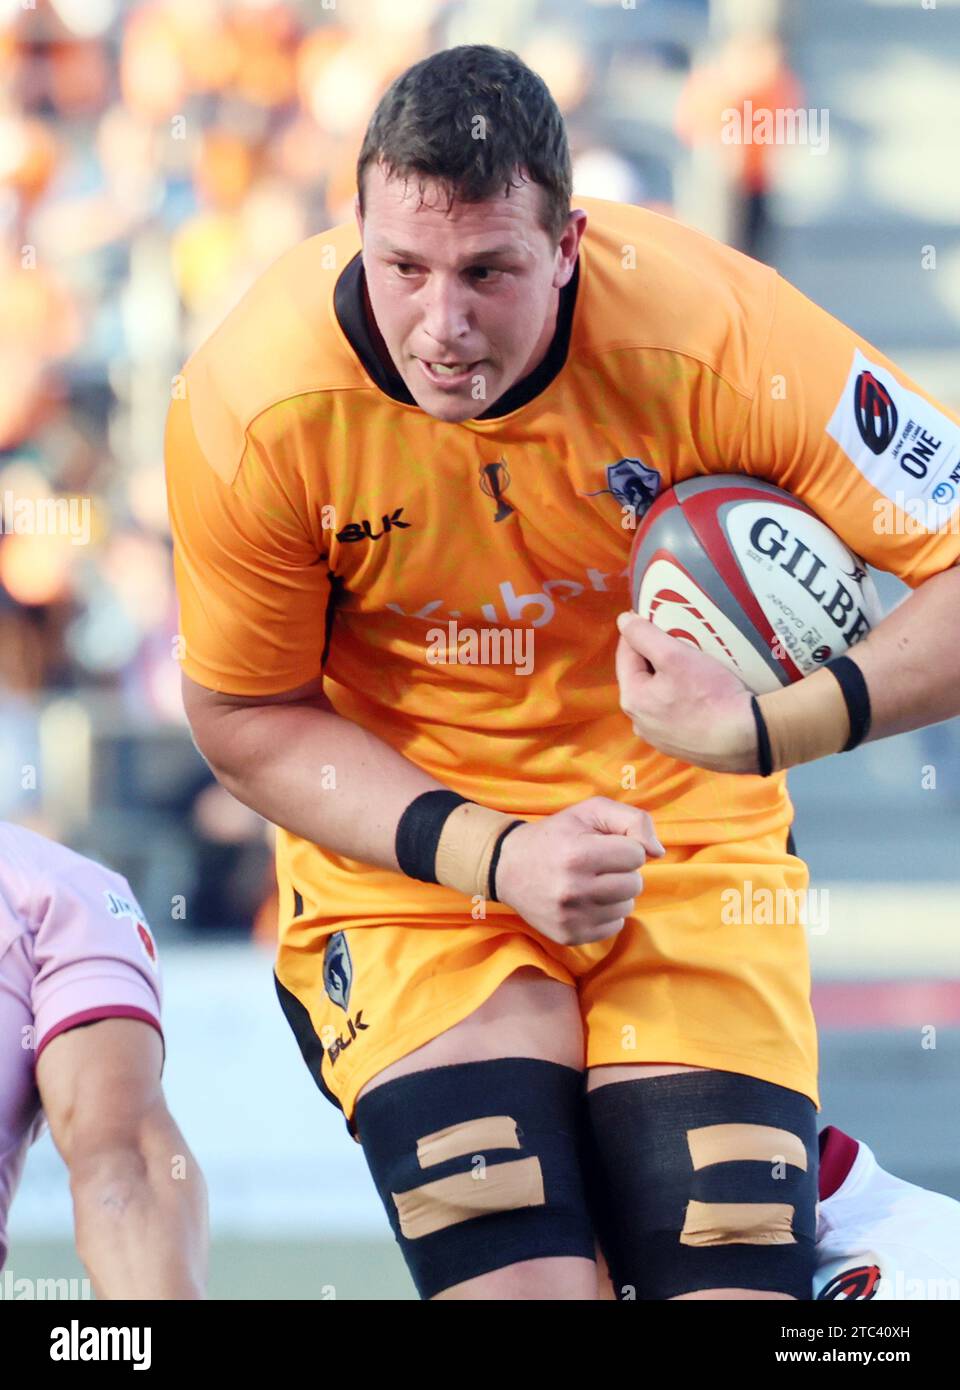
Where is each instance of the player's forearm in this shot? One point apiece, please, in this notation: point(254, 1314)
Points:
point(911, 661)
point(316, 774)
point(141, 1224)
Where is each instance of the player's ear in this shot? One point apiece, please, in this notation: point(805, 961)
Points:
point(357, 213)
point(569, 246)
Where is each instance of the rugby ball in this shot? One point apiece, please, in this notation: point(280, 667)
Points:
point(751, 576)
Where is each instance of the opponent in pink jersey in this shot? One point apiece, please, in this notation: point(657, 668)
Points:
point(75, 950)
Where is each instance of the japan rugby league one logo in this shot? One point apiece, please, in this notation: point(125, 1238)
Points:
point(877, 421)
point(875, 412)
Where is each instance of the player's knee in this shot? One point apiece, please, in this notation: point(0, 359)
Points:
point(478, 1167)
point(704, 1181)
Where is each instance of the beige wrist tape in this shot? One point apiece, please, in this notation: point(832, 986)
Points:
point(466, 846)
point(805, 721)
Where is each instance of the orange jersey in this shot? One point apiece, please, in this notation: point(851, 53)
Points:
point(324, 522)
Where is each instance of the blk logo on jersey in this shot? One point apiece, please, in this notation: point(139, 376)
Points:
point(338, 970)
point(363, 530)
point(875, 411)
point(861, 1282)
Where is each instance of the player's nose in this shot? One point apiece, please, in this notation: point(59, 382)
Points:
point(445, 320)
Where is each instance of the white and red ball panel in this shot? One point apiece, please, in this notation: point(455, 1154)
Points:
point(747, 573)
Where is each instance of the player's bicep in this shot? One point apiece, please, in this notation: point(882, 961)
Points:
point(253, 586)
point(98, 1083)
point(215, 717)
point(839, 425)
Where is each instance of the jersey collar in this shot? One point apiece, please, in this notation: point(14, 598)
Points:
point(349, 306)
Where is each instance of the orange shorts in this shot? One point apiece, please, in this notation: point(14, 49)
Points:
point(702, 974)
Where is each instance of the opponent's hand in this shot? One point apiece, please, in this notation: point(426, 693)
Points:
point(682, 702)
point(573, 876)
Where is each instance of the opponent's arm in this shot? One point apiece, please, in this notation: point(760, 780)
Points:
point(139, 1198)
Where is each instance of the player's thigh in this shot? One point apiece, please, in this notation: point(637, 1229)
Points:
point(607, 1076)
point(528, 1015)
point(484, 1189)
point(703, 1183)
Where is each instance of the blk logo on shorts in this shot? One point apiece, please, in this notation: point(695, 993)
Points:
point(875, 412)
point(860, 1282)
point(338, 970)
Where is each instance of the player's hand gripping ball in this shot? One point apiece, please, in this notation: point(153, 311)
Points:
point(738, 589)
point(681, 702)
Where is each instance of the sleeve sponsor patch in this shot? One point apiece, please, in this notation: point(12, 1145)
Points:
point(120, 908)
point(904, 446)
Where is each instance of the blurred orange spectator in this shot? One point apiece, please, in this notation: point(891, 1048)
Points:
point(749, 68)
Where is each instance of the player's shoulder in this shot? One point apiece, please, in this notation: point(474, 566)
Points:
point(879, 1236)
point(280, 343)
point(40, 862)
point(870, 1195)
point(654, 283)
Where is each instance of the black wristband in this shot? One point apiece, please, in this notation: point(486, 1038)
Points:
point(418, 833)
point(495, 860)
point(764, 755)
point(851, 681)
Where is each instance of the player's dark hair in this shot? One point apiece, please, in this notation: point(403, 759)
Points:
point(470, 118)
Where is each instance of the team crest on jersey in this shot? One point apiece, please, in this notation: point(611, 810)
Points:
point(338, 970)
point(633, 483)
point(126, 908)
point(860, 1282)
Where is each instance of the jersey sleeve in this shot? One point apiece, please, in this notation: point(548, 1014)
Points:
point(94, 953)
point(252, 581)
point(837, 424)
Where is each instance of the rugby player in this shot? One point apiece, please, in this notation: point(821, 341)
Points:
point(83, 1052)
point(415, 444)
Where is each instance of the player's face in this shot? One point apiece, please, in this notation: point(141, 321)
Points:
point(474, 290)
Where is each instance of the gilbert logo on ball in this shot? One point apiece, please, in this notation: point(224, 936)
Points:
point(751, 576)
